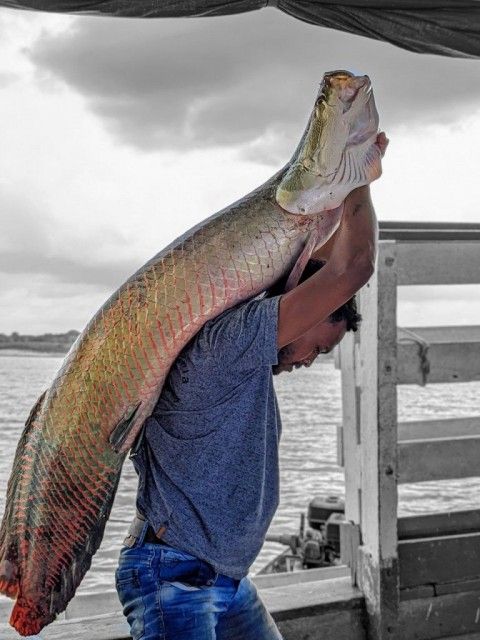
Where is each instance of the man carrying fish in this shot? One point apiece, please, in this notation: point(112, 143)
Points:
point(176, 367)
point(207, 458)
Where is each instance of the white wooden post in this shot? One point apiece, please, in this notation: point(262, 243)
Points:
point(369, 401)
point(351, 425)
point(351, 451)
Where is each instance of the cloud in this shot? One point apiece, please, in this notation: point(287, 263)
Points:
point(183, 84)
point(6, 79)
point(27, 248)
point(64, 269)
point(439, 305)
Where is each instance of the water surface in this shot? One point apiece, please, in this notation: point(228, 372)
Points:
point(311, 408)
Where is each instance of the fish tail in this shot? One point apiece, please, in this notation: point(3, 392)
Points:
point(28, 617)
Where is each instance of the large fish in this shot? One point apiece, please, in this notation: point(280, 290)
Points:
point(68, 461)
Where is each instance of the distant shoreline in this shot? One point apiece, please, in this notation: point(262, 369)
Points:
point(51, 345)
point(24, 353)
point(47, 343)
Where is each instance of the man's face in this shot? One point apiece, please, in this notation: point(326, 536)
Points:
point(302, 352)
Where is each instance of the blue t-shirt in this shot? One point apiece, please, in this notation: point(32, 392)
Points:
point(208, 458)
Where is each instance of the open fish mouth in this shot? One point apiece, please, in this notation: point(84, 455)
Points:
point(338, 151)
point(346, 84)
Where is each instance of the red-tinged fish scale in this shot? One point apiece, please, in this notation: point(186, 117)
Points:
point(65, 459)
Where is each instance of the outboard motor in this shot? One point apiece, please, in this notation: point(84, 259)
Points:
point(321, 508)
point(315, 545)
point(320, 543)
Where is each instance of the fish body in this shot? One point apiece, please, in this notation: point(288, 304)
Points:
point(68, 461)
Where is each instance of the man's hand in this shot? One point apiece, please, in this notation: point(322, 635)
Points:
point(351, 263)
point(382, 142)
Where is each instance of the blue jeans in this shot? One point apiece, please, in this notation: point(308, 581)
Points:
point(168, 594)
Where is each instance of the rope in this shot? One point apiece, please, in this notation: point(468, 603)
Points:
point(423, 345)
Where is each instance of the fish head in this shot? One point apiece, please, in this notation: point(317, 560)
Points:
point(338, 150)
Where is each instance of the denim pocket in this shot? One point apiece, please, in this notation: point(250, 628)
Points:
point(127, 576)
point(189, 575)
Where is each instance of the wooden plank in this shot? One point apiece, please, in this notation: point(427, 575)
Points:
point(99, 603)
point(344, 625)
point(340, 446)
point(440, 617)
point(311, 598)
point(428, 231)
point(337, 358)
point(274, 580)
point(81, 606)
point(103, 627)
point(438, 524)
point(438, 459)
point(350, 427)
point(439, 559)
point(447, 334)
point(107, 602)
point(457, 587)
point(377, 557)
point(414, 235)
point(350, 538)
point(347, 624)
point(422, 591)
point(322, 602)
point(449, 262)
point(446, 428)
point(425, 226)
point(453, 354)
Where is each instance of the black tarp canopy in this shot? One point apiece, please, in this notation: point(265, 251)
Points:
point(443, 27)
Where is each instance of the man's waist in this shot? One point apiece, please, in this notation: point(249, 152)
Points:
point(137, 527)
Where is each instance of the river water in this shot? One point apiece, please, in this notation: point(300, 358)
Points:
point(310, 404)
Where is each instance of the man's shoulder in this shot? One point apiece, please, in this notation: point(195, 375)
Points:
point(238, 309)
point(249, 311)
point(241, 338)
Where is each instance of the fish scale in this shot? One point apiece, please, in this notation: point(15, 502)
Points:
point(69, 458)
point(74, 402)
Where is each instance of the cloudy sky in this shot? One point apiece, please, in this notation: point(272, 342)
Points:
point(118, 135)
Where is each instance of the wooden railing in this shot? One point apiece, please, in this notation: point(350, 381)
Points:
point(420, 574)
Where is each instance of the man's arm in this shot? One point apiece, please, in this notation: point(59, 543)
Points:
point(350, 266)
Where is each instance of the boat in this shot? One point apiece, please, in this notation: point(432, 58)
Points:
point(317, 543)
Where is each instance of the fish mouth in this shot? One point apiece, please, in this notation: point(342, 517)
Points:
point(344, 86)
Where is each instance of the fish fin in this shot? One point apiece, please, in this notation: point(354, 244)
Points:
point(9, 570)
point(9, 573)
point(18, 461)
point(37, 407)
point(360, 164)
point(301, 262)
point(348, 172)
point(123, 428)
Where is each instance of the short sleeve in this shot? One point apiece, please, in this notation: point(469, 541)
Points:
point(244, 337)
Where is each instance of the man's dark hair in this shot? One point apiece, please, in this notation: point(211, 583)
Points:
point(347, 311)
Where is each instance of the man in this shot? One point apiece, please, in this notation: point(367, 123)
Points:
point(208, 456)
